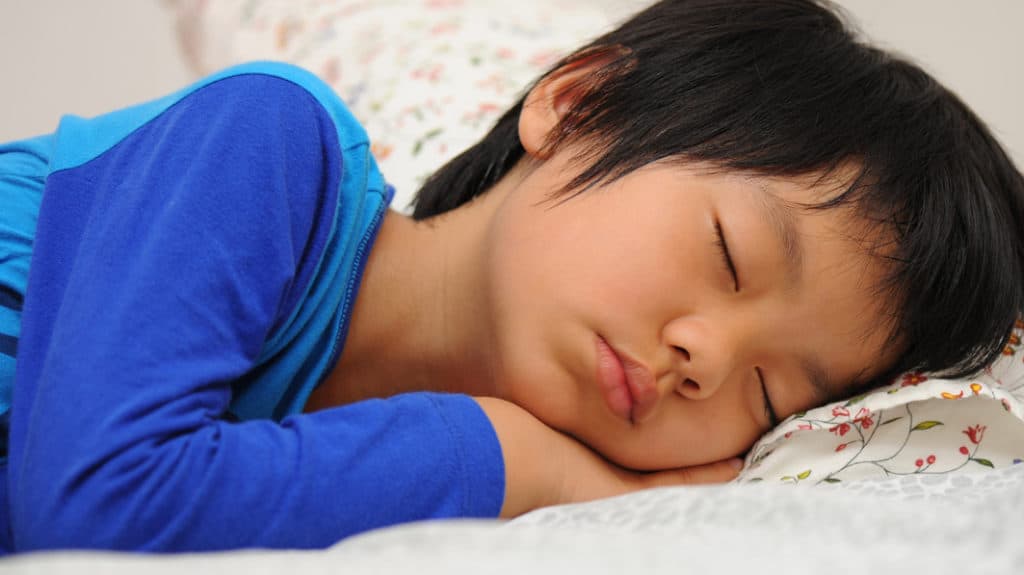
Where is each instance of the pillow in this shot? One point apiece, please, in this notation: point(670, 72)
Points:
point(916, 425)
point(429, 77)
point(425, 77)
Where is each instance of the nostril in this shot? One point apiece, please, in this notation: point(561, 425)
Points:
point(682, 350)
point(688, 386)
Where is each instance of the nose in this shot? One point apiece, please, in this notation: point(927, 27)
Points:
point(703, 358)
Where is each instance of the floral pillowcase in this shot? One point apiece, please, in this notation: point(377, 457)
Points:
point(428, 78)
point(916, 425)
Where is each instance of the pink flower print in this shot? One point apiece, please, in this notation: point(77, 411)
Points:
point(443, 28)
point(864, 418)
point(919, 462)
point(912, 379)
point(840, 429)
point(286, 30)
point(839, 411)
point(975, 433)
point(331, 71)
point(431, 73)
point(931, 459)
point(801, 427)
point(380, 151)
point(841, 446)
point(964, 450)
point(544, 58)
point(493, 82)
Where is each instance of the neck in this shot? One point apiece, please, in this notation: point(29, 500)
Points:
point(420, 321)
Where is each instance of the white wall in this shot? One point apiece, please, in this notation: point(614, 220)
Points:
point(973, 46)
point(89, 56)
point(83, 57)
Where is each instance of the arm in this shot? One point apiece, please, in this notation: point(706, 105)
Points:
point(544, 467)
point(159, 270)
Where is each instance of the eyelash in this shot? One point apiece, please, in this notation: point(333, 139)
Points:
point(769, 410)
point(726, 258)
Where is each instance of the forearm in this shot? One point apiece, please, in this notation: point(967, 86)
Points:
point(530, 481)
point(175, 483)
point(546, 467)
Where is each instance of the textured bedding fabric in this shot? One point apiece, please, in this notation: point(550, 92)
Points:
point(948, 524)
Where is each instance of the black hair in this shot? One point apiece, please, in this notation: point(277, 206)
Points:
point(786, 88)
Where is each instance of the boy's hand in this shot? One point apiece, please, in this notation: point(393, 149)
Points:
point(546, 467)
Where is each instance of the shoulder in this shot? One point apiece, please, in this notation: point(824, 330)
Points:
point(255, 104)
point(279, 91)
point(265, 82)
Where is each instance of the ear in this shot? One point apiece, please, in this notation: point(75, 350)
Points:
point(555, 95)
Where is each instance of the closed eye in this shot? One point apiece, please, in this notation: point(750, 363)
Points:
point(723, 249)
point(769, 410)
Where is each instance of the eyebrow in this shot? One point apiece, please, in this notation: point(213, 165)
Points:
point(783, 223)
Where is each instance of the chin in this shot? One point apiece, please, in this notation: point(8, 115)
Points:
point(642, 455)
point(643, 461)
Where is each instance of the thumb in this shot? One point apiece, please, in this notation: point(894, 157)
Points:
point(717, 472)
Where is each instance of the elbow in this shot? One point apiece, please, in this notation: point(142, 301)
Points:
point(65, 515)
point(128, 502)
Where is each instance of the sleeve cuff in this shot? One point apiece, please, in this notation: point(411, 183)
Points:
point(480, 462)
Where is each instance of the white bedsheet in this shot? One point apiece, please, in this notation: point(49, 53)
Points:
point(917, 524)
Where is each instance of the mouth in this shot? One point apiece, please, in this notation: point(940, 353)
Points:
point(611, 376)
point(627, 386)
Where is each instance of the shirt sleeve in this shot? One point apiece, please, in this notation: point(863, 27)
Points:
point(159, 270)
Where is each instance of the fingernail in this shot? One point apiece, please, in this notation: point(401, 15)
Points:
point(736, 463)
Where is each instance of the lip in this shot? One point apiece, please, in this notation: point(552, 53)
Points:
point(611, 376)
point(627, 385)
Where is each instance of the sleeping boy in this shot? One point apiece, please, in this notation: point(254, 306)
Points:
point(217, 335)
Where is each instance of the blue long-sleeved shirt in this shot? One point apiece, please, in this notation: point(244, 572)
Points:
point(194, 263)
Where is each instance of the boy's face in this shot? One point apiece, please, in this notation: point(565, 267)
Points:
point(621, 323)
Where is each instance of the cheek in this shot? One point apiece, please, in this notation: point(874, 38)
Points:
point(596, 252)
point(535, 381)
point(685, 434)
point(541, 354)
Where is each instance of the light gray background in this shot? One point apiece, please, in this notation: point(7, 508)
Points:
point(87, 57)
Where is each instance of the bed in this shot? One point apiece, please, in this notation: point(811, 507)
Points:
point(947, 524)
point(921, 474)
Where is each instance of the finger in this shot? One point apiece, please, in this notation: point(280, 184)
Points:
point(717, 472)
